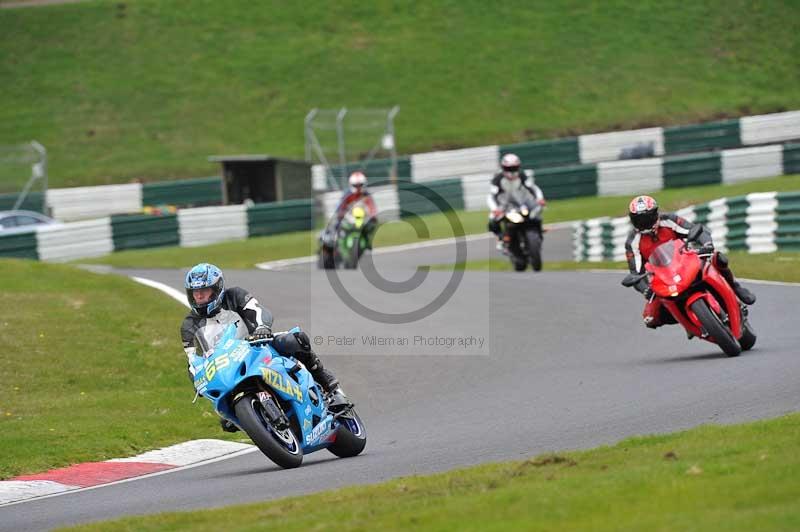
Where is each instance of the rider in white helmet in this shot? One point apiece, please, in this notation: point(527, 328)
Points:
point(510, 184)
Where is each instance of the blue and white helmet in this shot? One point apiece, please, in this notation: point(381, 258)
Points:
point(205, 275)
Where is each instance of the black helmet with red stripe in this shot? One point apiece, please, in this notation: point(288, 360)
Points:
point(643, 212)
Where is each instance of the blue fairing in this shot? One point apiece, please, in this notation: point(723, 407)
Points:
point(233, 361)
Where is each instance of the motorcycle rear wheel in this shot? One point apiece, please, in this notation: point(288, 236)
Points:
point(351, 436)
point(282, 447)
point(716, 329)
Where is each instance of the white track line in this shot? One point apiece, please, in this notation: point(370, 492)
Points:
point(280, 264)
point(171, 292)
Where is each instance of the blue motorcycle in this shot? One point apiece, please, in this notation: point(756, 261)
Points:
point(272, 398)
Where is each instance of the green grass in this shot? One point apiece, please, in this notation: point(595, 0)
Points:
point(732, 478)
point(781, 266)
point(92, 369)
point(148, 89)
point(246, 253)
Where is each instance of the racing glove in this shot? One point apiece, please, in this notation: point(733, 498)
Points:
point(707, 248)
point(262, 332)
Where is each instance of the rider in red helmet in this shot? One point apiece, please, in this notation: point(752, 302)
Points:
point(356, 192)
point(650, 230)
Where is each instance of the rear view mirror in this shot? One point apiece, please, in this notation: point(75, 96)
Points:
point(633, 278)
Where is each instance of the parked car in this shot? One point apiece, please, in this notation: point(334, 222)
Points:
point(23, 221)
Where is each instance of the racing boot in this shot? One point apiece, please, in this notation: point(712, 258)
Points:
point(745, 296)
point(504, 244)
point(337, 400)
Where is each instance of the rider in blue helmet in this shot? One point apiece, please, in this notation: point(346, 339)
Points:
point(206, 293)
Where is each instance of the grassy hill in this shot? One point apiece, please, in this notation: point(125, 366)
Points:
point(148, 89)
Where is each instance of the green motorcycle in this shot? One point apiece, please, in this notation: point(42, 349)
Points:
point(351, 239)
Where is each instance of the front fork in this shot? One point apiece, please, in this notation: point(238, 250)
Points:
point(274, 413)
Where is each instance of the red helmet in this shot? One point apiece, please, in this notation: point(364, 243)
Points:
point(510, 163)
point(643, 212)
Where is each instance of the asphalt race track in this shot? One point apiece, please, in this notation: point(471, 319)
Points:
point(566, 363)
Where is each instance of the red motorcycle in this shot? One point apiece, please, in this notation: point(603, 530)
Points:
point(695, 293)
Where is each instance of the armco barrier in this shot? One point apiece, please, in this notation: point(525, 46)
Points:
point(34, 201)
point(787, 235)
point(567, 181)
point(198, 192)
point(190, 227)
point(76, 240)
point(702, 137)
point(777, 127)
point(80, 203)
point(376, 168)
point(545, 153)
point(751, 163)
point(448, 164)
point(692, 170)
point(19, 245)
point(272, 218)
point(476, 191)
point(208, 225)
point(761, 222)
point(791, 158)
point(629, 177)
point(431, 197)
point(609, 146)
point(143, 231)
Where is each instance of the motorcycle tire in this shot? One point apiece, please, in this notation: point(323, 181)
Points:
point(716, 329)
point(351, 436)
point(748, 339)
point(282, 447)
point(534, 249)
point(355, 254)
point(519, 263)
point(327, 261)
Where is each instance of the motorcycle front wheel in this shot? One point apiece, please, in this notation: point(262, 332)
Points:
point(534, 249)
point(716, 329)
point(280, 446)
point(351, 437)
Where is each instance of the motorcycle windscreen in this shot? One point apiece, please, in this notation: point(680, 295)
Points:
point(225, 325)
point(663, 254)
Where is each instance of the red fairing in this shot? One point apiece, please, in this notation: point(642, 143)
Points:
point(673, 269)
point(718, 283)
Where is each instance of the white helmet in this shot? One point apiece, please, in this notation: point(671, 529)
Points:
point(510, 162)
point(357, 180)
